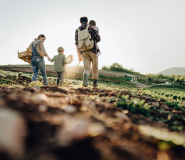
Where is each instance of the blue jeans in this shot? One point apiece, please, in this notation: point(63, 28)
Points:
point(37, 64)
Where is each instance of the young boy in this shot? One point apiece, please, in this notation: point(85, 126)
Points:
point(93, 26)
point(59, 65)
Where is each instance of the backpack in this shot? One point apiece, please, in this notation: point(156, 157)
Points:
point(85, 43)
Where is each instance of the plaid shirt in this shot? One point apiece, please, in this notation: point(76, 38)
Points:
point(94, 35)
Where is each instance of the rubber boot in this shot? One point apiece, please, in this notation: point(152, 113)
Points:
point(95, 81)
point(57, 82)
point(85, 79)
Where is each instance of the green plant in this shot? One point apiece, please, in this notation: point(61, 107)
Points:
point(175, 97)
point(36, 83)
point(167, 95)
point(175, 105)
point(11, 75)
point(134, 106)
point(20, 73)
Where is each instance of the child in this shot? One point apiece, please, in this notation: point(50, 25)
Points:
point(93, 26)
point(59, 65)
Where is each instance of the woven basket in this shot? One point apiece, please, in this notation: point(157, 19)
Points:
point(69, 59)
point(25, 56)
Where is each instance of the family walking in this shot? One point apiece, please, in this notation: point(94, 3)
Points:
point(86, 39)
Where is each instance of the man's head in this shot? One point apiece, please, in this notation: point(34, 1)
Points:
point(61, 50)
point(83, 20)
point(92, 22)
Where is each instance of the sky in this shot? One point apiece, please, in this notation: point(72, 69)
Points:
point(146, 35)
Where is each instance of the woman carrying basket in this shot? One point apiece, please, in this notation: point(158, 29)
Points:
point(37, 62)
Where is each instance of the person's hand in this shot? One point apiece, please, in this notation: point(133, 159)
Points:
point(80, 58)
point(48, 58)
point(92, 27)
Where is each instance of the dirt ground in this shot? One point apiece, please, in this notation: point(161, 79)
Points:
point(51, 123)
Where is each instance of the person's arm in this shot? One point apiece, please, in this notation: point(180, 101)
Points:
point(79, 53)
point(77, 49)
point(94, 29)
point(29, 48)
point(65, 60)
point(42, 49)
point(52, 60)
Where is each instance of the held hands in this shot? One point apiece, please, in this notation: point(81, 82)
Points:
point(80, 58)
point(48, 58)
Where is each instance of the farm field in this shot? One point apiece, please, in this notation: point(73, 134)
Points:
point(116, 121)
point(70, 70)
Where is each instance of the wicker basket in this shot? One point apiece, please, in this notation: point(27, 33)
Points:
point(69, 59)
point(25, 56)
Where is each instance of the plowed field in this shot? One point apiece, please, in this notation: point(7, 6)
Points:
point(51, 123)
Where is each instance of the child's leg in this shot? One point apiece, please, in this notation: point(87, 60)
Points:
point(61, 78)
point(58, 78)
point(98, 51)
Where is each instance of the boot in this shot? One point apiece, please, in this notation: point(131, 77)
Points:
point(85, 79)
point(95, 81)
point(57, 82)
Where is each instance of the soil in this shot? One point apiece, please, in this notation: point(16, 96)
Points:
point(51, 123)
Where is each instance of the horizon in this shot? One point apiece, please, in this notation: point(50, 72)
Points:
point(144, 35)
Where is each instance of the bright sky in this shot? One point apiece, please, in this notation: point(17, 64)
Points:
point(148, 35)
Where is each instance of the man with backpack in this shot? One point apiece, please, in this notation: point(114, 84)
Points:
point(86, 43)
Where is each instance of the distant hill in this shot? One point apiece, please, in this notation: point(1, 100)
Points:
point(174, 70)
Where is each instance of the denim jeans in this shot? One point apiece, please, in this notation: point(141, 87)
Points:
point(37, 64)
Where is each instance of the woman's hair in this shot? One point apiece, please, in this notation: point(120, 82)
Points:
point(83, 20)
point(41, 35)
point(92, 22)
point(60, 49)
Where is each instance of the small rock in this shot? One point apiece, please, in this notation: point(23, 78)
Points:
point(156, 104)
point(12, 133)
point(72, 129)
point(70, 109)
point(42, 108)
point(164, 106)
point(36, 88)
point(122, 116)
point(95, 129)
point(39, 98)
point(141, 122)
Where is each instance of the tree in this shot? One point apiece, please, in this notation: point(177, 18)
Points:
point(177, 78)
point(116, 67)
